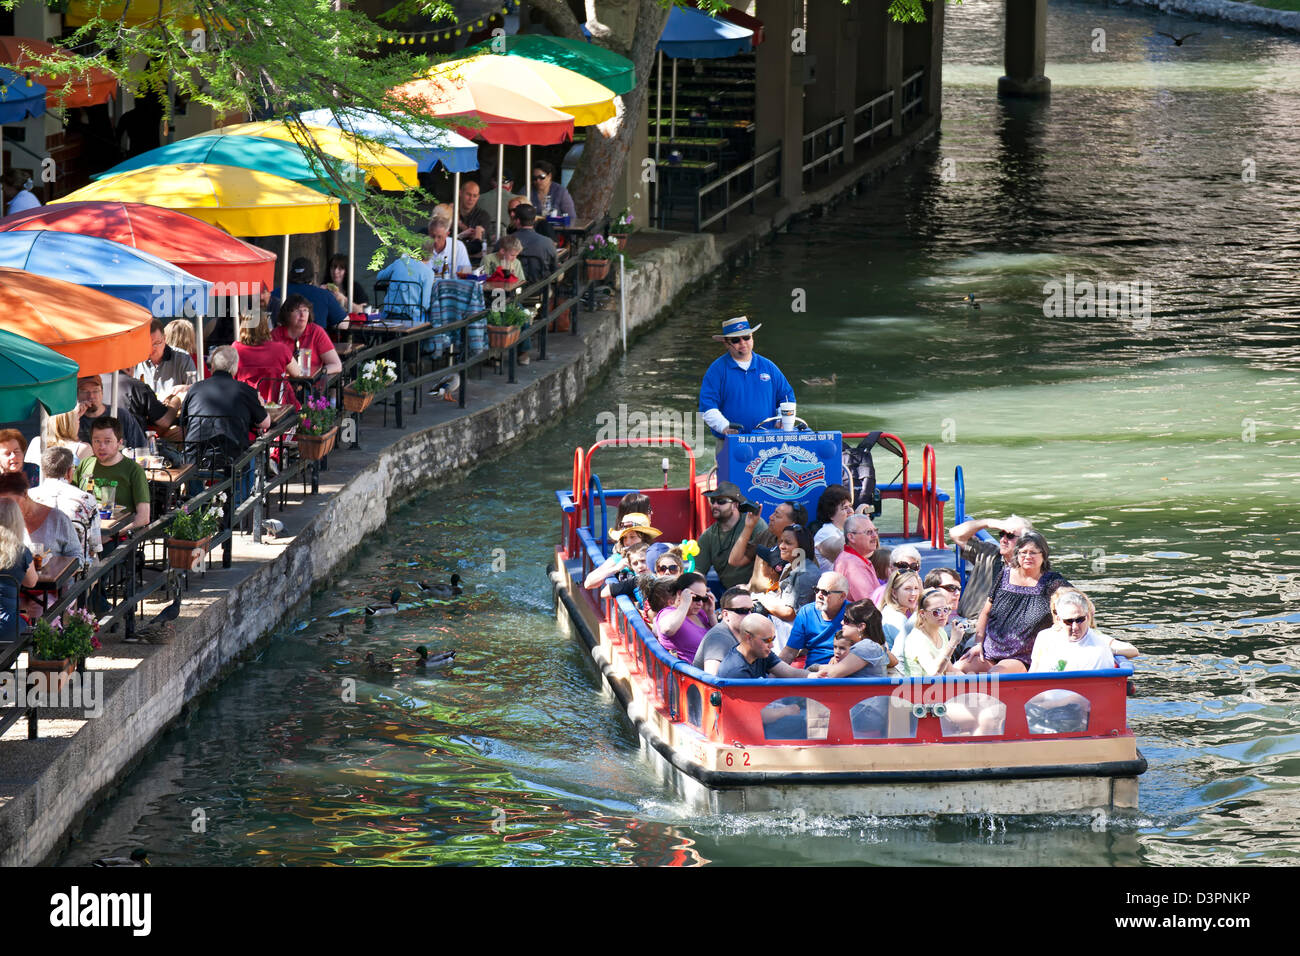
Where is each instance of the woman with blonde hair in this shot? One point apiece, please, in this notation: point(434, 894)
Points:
point(928, 647)
point(17, 570)
point(898, 602)
point(179, 334)
point(59, 431)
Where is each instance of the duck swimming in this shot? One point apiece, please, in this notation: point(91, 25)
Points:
point(380, 667)
point(425, 662)
point(820, 382)
point(443, 591)
point(339, 638)
point(391, 607)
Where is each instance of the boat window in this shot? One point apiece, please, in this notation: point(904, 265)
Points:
point(695, 706)
point(884, 716)
point(796, 718)
point(973, 715)
point(1057, 711)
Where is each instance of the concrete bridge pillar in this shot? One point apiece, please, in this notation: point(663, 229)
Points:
point(1025, 52)
point(779, 88)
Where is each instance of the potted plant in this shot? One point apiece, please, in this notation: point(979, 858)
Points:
point(597, 254)
point(374, 377)
point(190, 532)
point(316, 428)
point(510, 322)
point(623, 227)
point(58, 645)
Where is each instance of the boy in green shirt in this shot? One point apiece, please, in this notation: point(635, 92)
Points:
point(110, 465)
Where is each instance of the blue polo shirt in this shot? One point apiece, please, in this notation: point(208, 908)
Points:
point(814, 634)
point(325, 309)
point(744, 396)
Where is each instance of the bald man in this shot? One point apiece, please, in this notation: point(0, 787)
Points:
point(815, 626)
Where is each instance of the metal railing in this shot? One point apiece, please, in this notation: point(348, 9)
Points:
point(913, 94)
point(830, 139)
point(724, 183)
point(867, 118)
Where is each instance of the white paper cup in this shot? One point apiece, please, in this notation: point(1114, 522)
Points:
point(787, 410)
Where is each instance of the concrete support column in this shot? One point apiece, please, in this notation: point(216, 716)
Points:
point(823, 44)
point(779, 90)
point(1025, 53)
point(934, 67)
point(891, 66)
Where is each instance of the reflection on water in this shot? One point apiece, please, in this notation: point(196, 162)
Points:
point(1160, 461)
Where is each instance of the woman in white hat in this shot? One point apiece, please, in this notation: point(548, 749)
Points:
point(633, 529)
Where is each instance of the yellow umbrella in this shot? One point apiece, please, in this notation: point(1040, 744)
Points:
point(244, 202)
point(385, 167)
point(587, 101)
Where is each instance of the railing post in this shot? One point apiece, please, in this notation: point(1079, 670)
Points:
point(228, 522)
point(401, 382)
point(258, 490)
point(464, 360)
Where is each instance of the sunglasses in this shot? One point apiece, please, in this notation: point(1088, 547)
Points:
point(733, 339)
point(538, 179)
point(723, 501)
point(670, 568)
point(940, 611)
point(1073, 620)
point(951, 588)
point(904, 566)
point(820, 591)
point(740, 610)
point(696, 599)
point(1009, 534)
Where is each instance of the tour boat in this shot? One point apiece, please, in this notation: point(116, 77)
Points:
point(1012, 744)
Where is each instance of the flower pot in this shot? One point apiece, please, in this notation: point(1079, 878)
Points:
point(186, 555)
point(354, 401)
point(595, 268)
point(561, 322)
point(316, 447)
point(502, 336)
point(620, 238)
point(51, 675)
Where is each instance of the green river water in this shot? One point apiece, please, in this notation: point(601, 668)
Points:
point(1159, 454)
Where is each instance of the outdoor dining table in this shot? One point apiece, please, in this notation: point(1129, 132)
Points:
point(574, 232)
point(117, 524)
point(167, 484)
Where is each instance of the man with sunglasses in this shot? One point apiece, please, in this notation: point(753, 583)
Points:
point(718, 541)
point(816, 624)
point(1077, 647)
point(986, 559)
point(741, 388)
point(737, 602)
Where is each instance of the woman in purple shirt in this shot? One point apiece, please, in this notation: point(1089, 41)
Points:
point(681, 626)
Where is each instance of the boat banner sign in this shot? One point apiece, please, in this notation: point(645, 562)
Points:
point(775, 467)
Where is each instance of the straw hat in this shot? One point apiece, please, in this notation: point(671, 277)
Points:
point(737, 326)
point(635, 521)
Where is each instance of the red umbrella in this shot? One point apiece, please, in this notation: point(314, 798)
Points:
point(89, 89)
point(198, 248)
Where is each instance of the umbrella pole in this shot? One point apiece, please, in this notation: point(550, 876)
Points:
point(352, 253)
point(673, 109)
point(659, 114)
point(455, 223)
point(528, 174)
point(501, 169)
point(113, 401)
point(198, 336)
point(284, 272)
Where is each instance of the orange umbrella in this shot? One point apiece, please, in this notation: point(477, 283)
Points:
point(99, 332)
point(91, 89)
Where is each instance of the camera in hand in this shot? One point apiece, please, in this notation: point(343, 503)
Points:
point(748, 507)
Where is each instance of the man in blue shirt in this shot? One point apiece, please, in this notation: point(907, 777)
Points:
point(325, 308)
point(410, 289)
point(816, 624)
point(741, 388)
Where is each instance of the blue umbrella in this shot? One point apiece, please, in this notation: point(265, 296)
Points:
point(428, 147)
point(19, 97)
point(121, 271)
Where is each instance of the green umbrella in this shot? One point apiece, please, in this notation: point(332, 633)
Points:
point(606, 67)
point(287, 160)
point(31, 375)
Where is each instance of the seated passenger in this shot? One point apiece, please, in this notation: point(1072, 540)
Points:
point(767, 562)
point(681, 626)
point(897, 604)
point(816, 624)
point(670, 564)
point(1078, 647)
point(798, 578)
point(903, 558)
point(179, 334)
point(718, 539)
point(295, 326)
point(833, 509)
point(58, 490)
point(264, 362)
point(1117, 647)
point(927, 647)
point(634, 503)
point(636, 531)
point(629, 576)
point(737, 604)
point(752, 657)
point(829, 542)
point(860, 542)
point(947, 580)
point(46, 529)
point(865, 651)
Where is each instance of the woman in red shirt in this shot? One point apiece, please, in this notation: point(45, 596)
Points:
point(295, 326)
point(264, 362)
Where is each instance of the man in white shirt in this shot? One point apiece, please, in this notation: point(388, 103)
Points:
point(1077, 648)
point(58, 490)
point(442, 250)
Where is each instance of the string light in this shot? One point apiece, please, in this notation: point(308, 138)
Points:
point(434, 36)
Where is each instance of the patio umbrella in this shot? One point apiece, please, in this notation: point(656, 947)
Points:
point(606, 67)
point(133, 13)
point(427, 145)
point(385, 167)
point(693, 35)
point(503, 115)
point(121, 271)
point(244, 202)
point(32, 375)
point(19, 99)
point(287, 160)
point(98, 332)
point(89, 89)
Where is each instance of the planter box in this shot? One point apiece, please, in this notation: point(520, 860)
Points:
point(316, 447)
point(52, 675)
point(502, 336)
point(620, 238)
point(595, 268)
point(354, 401)
point(186, 555)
